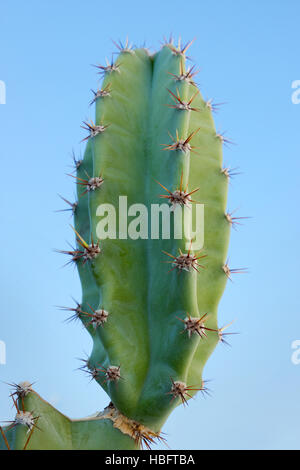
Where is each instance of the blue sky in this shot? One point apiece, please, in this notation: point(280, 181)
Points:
point(248, 55)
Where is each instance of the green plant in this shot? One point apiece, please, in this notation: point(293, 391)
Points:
point(153, 324)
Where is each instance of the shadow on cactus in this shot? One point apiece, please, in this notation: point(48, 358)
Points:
point(151, 282)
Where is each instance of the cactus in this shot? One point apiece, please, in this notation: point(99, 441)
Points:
point(149, 302)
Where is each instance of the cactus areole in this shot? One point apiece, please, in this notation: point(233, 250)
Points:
point(149, 295)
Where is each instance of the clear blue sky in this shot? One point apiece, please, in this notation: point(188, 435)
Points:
point(248, 53)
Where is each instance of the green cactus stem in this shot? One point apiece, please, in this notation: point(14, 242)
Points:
point(149, 296)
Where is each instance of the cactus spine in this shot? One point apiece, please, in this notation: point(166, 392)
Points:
point(149, 302)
